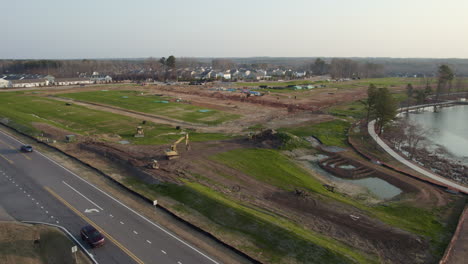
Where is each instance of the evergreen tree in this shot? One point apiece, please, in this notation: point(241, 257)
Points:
point(385, 108)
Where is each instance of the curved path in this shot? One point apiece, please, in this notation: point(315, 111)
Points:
point(441, 180)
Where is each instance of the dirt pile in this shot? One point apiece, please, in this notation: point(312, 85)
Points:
point(136, 165)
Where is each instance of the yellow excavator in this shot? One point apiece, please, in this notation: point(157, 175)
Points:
point(172, 153)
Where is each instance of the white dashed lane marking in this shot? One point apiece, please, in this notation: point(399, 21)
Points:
point(32, 198)
point(164, 252)
point(147, 241)
point(122, 223)
point(135, 232)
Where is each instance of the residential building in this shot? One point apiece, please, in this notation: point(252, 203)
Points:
point(98, 78)
point(72, 81)
point(4, 83)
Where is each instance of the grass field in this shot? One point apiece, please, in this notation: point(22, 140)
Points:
point(25, 110)
point(17, 245)
point(163, 106)
point(270, 235)
point(388, 82)
point(331, 133)
point(272, 167)
point(381, 82)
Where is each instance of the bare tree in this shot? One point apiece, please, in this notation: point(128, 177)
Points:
point(404, 134)
point(222, 64)
point(415, 134)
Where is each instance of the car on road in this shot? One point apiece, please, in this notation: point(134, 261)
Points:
point(26, 148)
point(92, 236)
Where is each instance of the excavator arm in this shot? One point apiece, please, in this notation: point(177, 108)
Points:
point(172, 154)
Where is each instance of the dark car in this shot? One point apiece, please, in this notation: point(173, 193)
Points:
point(92, 236)
point(26, 148)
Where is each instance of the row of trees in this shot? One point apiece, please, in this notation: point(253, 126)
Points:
point(346, 68)
point(127, 69)
point(446, 84)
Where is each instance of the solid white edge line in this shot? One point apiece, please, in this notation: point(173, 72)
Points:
point(89, 200)
point(117, 201)
point(69, 234)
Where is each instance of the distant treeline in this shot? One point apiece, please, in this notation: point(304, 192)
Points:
point(143, 68)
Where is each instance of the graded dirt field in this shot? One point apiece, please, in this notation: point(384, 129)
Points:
point(246, 184)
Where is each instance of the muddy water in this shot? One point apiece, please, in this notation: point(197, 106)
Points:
point(449, 128)
point(378, 187)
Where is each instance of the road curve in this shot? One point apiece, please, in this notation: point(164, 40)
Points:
point(443, 181)
point(34, 187)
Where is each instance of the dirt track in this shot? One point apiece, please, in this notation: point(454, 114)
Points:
point(324, 216)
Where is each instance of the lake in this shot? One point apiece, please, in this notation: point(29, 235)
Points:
point(449, 128)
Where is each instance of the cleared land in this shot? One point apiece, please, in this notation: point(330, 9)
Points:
point(155, 104)
point(253, 194)
point(39, 115)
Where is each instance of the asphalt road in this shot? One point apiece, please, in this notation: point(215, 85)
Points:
point(36, 188)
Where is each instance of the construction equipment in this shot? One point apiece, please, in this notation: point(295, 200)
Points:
point(139, 132)
point(154, 165)
point(172, 153)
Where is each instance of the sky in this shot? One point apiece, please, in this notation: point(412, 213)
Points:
point(64, 29)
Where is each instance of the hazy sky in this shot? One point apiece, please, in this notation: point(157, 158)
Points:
point(235, 28)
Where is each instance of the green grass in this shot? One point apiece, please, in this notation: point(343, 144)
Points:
point(354, 109)
point(331, 133)
point(133, 100)
point(388, 82)
point(273, 236)
point(278, 171)
point(277, 84)
point(24, 110)
point(271, 167)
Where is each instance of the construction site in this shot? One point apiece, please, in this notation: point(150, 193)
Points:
point(257, 172)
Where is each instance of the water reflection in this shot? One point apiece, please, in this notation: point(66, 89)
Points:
point(449, 126)
point(376, 186)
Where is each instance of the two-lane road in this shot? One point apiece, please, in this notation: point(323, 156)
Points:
point(33, 187)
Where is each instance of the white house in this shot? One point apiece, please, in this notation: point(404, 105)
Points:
point(300, 74)
point(234, 73)
point(4, 83)
point(245, 74)
point(28, 83)
point(72, 81)
point(278, 73)
point(97, 78)
point(223, 75)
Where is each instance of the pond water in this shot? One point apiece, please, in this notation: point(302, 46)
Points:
point(376, 186)
point(449, 128)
